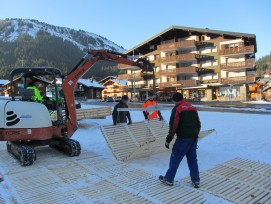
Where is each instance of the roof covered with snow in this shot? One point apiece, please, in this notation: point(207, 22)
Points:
point(90, 83)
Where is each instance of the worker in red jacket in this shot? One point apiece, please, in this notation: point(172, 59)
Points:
point(149, 115)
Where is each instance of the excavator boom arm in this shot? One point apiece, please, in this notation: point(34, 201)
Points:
point(70, 81)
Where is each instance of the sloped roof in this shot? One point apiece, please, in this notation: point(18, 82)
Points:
point(90, 83)
point(190, 29)
point(107, 78)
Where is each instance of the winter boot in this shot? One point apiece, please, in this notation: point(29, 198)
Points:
point(164, 181)
point(196, 184)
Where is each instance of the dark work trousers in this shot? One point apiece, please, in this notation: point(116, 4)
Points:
point(181, 148)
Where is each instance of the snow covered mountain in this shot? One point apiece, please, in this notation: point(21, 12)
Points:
point(11, 29)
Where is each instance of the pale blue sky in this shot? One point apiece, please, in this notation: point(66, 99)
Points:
point(128, 22)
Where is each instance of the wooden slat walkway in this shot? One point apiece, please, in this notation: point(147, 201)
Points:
point(239, 181)
point(139, 139)
point(89, 178)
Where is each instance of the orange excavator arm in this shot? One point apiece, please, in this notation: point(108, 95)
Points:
point(70, 81)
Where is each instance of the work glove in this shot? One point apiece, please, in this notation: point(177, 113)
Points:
point(130, 122)
point(167, 145)
point(161, 118)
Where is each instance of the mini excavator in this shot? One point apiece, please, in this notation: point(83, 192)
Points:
point(26, 124)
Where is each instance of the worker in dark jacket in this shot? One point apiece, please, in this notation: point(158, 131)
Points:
point(149, 115)
point(121, 116)
point(185, 123)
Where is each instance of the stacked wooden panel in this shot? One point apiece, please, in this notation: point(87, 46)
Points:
point(91, 113)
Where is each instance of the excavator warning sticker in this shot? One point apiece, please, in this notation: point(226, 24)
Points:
point(70, 82)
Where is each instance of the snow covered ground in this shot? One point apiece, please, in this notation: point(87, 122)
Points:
point(237, 135)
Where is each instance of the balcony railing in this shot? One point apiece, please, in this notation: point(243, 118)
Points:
point(237, 80)
point(236, 65)
point(175, 45)
point(166, 84)
point(237, 50)
point(186, 70)
point(181, 70)
point(188, 82)
point(175, 58)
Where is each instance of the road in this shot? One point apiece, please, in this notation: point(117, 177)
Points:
point(216, 106)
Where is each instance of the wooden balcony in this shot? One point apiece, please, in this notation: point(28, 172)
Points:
point(238, 65)
point(177, 71)
point(186, 70)
point(176, 58)
point(166, 84)
point(188, 82)
point(238, 80)
point(237, 50)
point(176, 45)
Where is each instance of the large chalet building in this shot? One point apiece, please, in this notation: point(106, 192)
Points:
point(204, 64)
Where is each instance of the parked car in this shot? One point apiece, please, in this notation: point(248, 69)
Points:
point(117, 99)
point(109, 99)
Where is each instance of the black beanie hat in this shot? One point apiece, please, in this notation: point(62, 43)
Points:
point(125, 98)
point(150, 94)
point(177, 97)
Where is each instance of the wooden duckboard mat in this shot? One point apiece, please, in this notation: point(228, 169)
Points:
point(89, 178)
point(91, 113)
point(239, 181)
point(139, 139)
